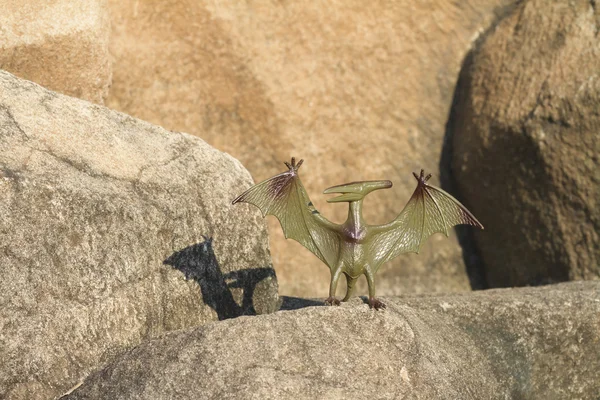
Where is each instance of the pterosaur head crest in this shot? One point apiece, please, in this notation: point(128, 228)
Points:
point(354, 191)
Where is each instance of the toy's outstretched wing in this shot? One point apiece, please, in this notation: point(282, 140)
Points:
point(429, 210)
point(284, 197)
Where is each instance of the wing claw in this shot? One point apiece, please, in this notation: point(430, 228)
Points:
point(421, 178)
point(293, 167)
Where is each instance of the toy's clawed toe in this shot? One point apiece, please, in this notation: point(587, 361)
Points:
point(376, 303)
point(332, 301)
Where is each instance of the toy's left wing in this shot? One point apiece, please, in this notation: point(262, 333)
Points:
point(429, 210)
point(284, 197)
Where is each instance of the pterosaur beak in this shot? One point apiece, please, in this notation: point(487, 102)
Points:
point(355, 190)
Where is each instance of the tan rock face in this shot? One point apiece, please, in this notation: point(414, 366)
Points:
point(59, 44)
point(360, 92)
point(533, 343)
point(92, 205)
point(526, 144)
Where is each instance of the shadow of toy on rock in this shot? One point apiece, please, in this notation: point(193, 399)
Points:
point(199, 262)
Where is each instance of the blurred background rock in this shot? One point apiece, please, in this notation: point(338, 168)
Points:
point(362, 91)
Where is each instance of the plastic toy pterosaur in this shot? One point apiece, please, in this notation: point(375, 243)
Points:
point(355, 248)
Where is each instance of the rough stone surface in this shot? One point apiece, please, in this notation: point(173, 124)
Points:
point(59, 44)
point(92, 205)
point(526, 145)
point(534, 343)
point(360, 90)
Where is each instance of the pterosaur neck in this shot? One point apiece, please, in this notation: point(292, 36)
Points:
point(355, 214)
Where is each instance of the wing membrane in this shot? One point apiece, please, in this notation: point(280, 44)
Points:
point(430, 210)
point(284, 197)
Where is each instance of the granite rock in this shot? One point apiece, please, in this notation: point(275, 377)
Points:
point(102, 217)
point(60, 44)
point(359, 90)
point(533, 343)
point(526, 147)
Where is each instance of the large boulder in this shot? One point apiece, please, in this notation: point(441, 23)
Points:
point(360, 90)
point(102, 218)
point(62, 45)
point(526, 147)
point(534, 343)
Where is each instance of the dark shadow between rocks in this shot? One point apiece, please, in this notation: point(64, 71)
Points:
point(198, 262)
point(296, 303)
point(472, 258)
point(465, 233)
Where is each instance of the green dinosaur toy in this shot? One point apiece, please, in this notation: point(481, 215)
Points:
point(355, 248)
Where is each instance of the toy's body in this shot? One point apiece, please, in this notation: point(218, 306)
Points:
point(355, 248)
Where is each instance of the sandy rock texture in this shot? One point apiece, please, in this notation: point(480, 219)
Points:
point(60, 44)
point(102, 217)
point(359, 91)
point(526, 145)
point(534, 343)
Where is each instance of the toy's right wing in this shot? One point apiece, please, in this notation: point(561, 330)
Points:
point(430, 210)
point(284, 197)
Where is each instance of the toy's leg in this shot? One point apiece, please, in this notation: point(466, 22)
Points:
point(335, 277)
point(373, 302)
point(350, 283)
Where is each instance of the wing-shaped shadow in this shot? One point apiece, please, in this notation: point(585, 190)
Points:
point(198, 262)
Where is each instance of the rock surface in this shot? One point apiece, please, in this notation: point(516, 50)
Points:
point(526, 144)
point(534, 343)
point(92, 204)
point(62, 45)
point(359, 91)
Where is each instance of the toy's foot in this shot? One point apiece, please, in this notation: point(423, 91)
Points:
point(376, 303)
point(332, 301)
